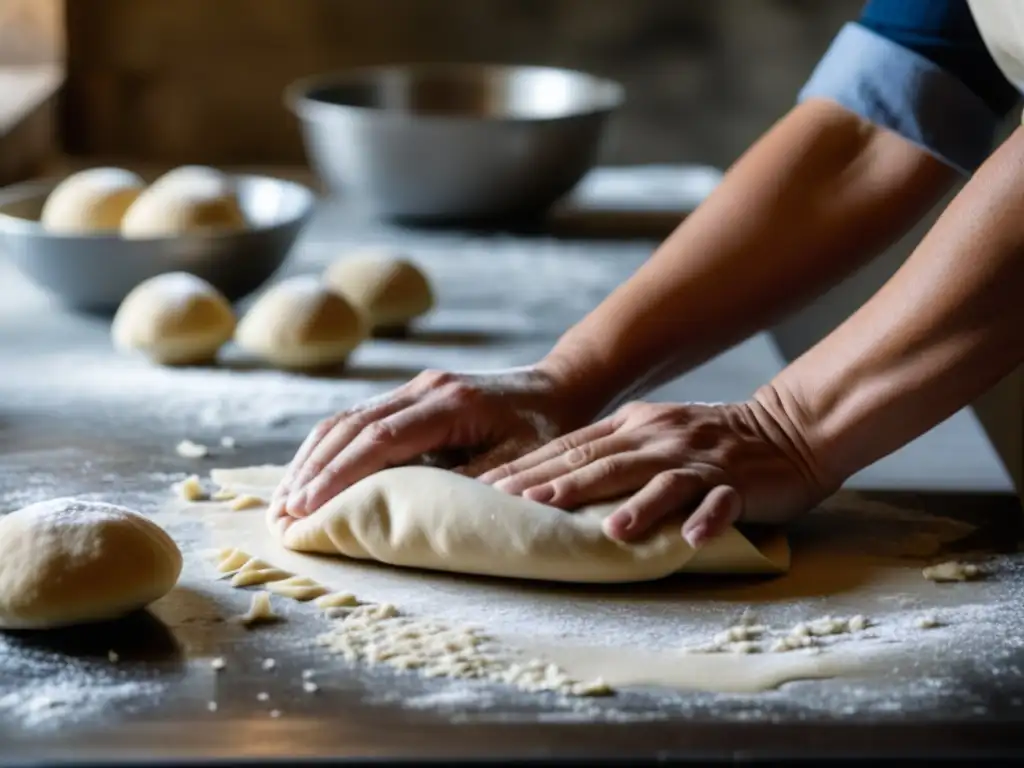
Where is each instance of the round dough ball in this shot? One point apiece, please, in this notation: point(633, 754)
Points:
point(300, 324)
point(68, 561)
point(188, 200)
point(390, 290)
point(175, 319)
point(91, 201)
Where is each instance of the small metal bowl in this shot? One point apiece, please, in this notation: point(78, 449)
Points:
point(453, 141)
point(94, 273)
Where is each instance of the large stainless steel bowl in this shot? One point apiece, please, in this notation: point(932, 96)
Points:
point(95, 272)
point(453, 141)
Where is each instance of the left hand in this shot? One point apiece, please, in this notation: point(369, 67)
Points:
point(722, 462)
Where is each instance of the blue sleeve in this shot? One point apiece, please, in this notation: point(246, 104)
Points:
point(920, 69)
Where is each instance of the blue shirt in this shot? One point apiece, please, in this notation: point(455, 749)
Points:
point(920, 69)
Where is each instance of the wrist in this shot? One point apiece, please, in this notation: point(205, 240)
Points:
point(787, 418)
point(576, 384)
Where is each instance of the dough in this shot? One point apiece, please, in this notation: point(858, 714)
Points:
point(91, 201)
point(174, 319)
point(260, 611)
point(389, 290)
point(67, 561)
point(424, 517)
point(188, 200)
point(951, 571)
point(299, 324)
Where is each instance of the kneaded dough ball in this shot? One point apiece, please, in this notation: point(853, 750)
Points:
point(390, 290)
point(187, 200)
point(91, 201)
point(174, 319)
point(68, 561)
point(300, 324)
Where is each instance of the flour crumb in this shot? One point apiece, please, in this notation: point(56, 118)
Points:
point(211, 706)
point(227, 442)
point(113, 657)
point(268, 664)
point(189, 450)
point(308, 674)
point(928, 622)
point(951, 571)
point(310, 687)
point(191, 489)
point(224, 494)
point(218, 664)
point(262, 696)
point(377, 634)
point(275, 713)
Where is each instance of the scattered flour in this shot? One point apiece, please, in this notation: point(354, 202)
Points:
point(46, 690)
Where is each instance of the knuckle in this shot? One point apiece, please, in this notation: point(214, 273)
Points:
point(435, 379)
point(669, 483)
point(460, 393)
point(379, 433)
point(579, 456)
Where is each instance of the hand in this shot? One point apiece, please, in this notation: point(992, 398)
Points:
point(499, 415)
point(723, 463)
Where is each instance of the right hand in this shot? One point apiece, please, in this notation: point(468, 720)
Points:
point(499, 415)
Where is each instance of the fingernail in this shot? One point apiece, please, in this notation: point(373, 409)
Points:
point(618, 524)
point(296, 505)
point(696, 536)
point(542, 494)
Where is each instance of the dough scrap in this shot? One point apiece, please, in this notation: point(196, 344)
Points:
point(301, 588)
point(68, 561)
point(248, 501)
point(951, 571)
point(424, 517)
point(260, 611)
point(191, 489)
point(231, 559)
point(337, 600)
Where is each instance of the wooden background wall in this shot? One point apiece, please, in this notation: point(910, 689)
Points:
point(201, 80)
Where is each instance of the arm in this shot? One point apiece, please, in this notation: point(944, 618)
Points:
point(944, 329)
point(822, 192)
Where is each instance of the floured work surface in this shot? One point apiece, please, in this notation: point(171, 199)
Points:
point(78, 421)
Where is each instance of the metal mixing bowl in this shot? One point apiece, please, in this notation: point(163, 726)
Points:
point(95, 272)
point(453, 141)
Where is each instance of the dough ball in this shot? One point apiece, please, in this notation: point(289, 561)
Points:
point(390, 290)
point(91, 201)
point(187, 200)
point(300, 324)
point(175, 319)
point(68, 561)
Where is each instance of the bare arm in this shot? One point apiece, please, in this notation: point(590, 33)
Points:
point(944, 329)
point(817, 196)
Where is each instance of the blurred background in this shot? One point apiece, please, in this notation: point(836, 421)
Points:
point(200, 81)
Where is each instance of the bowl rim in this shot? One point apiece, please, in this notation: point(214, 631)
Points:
point(298, 101)
point(26, 190)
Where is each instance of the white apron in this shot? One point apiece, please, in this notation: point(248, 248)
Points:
point(1001, 23)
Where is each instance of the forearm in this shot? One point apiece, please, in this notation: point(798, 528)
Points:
point(944, 329)
point(814, 198)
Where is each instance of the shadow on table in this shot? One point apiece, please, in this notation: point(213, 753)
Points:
point(139, 636)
